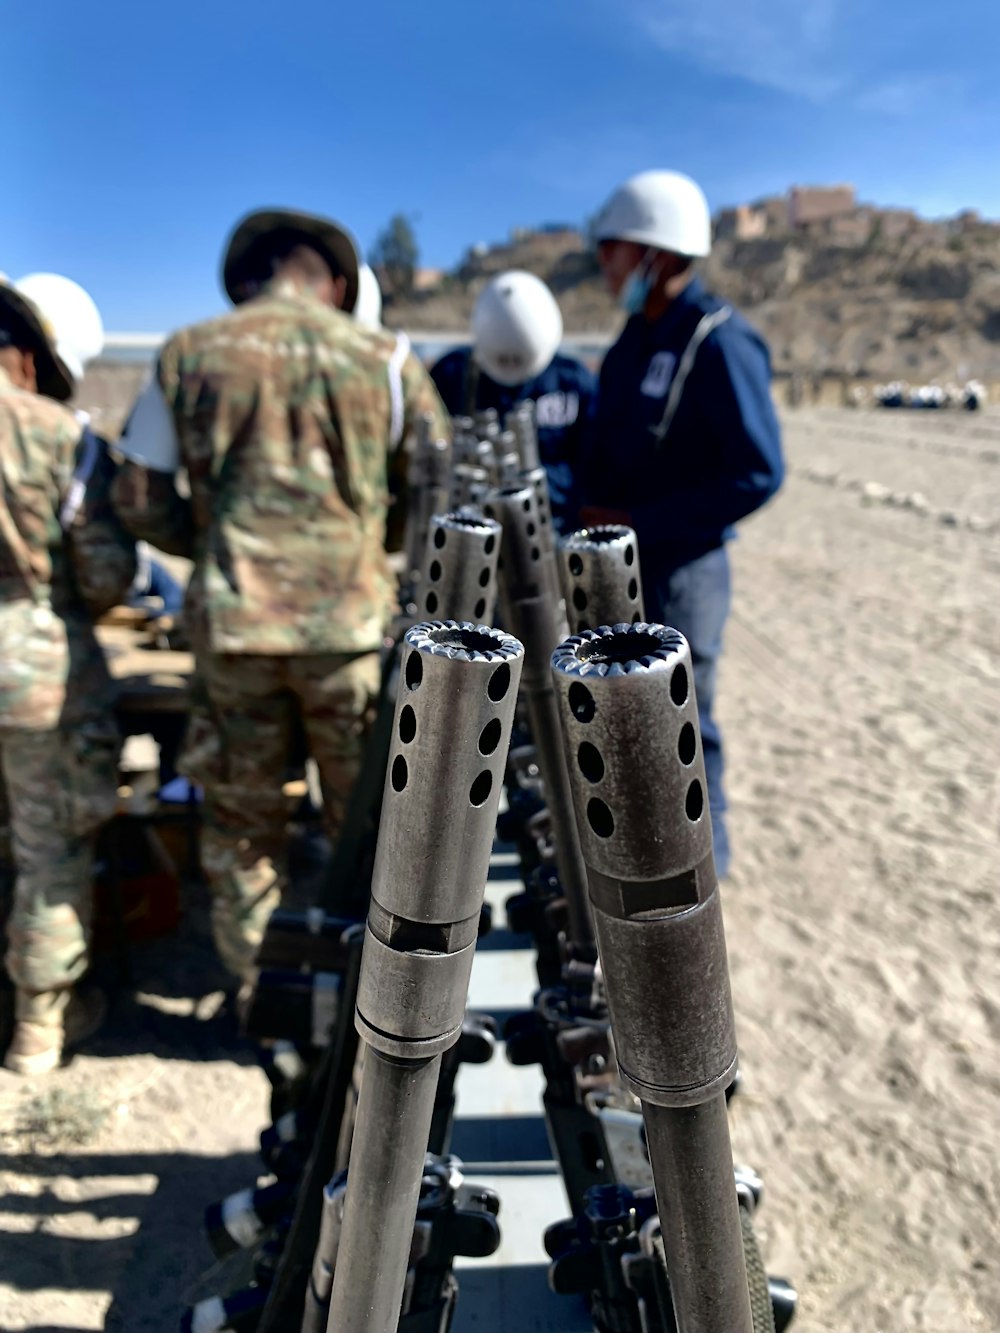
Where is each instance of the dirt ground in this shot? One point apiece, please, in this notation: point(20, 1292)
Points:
point(860, 693)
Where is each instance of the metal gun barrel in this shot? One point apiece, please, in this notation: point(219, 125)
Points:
point(509, 467)
point(459, 578)
point(626, 695)
point(486, 423)
point(692, 1167)
point(599, 568)
point(452, 731)
point(317, 1298)
point(383, 1189)
point(430, 470)
point(486, 458)
point(538, 479)
point(538, 619)
point(468, 483)
point(521, 421)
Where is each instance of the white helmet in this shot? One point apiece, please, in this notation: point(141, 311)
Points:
point(70, 313)
point(368, 310)
point(516, 327)
point(661, 209)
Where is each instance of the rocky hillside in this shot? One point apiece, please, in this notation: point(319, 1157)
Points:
point(917, 308)
point(918, 305)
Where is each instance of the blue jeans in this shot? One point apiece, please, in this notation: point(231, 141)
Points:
point(153, 580)
point(695, 599)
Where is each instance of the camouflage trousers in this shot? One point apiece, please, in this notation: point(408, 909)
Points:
point(247, 711)
point(56, 790)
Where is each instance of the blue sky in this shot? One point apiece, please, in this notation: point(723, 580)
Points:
point(136, 134)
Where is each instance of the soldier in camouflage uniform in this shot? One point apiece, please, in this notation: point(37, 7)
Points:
point(64, 560)
point(288, 417)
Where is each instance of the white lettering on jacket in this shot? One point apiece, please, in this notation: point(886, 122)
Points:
point(658, 375)
point(557, 409)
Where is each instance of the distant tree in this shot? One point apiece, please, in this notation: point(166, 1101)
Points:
point(395, 252)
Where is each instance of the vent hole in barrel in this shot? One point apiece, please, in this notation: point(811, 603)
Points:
point(490, 541)
point(407, 725)
point(600, 818)
point(484, 578)
point(481, 788)
point(579, 599)
point(527, 506)
point(679, 685)
point(440, 537)
point(414, 671)
point(630, 555)
point(575, 565)
point(530, 529)
point(489, 737)
point(581, 702)
point(480, 608)
point(633, 590)
point(535, 553)
point(687, 744)
point(636, 618)
point(432, 602)
point(499, 683)
point(435, 571)
point(400, 773)
point(694, 802)
point(591, 763)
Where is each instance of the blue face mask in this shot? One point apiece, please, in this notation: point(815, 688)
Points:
point(634, 294)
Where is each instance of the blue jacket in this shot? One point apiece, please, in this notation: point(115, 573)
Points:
point(721, 456)
point(564, 395)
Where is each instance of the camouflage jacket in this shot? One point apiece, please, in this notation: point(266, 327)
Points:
point(64, 560)
point(290, 419)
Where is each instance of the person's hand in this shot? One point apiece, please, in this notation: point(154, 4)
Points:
point(594, 516)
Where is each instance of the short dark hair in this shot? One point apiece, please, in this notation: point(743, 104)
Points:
point(17, 332)
point(284, 243)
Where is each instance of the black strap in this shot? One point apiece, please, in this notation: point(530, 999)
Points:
point(471, 386)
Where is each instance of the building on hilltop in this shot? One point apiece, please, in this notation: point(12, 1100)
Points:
point(724, 223)
point(752, 222)
point(428, 279)
point(775, 210)
point(812, 204)
point(850, 229)
point(896, 224)
point(745, 222)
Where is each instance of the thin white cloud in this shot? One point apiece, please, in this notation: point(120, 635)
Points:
point(808, 48)
point(907, 95)
point(782, 44)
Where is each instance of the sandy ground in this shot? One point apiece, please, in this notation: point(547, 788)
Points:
point(861, 698)
point(861, 692)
